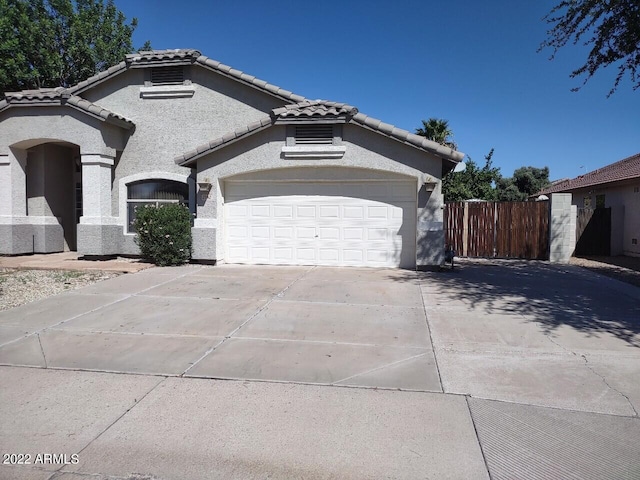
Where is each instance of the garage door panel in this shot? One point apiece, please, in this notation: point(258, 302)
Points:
point(320, 223)
point(378, 212)
point(329, 211)
point(306, 211)
point(353, 233)
point(283, 211)
point(283, 233)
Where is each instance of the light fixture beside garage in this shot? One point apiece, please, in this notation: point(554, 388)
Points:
point(430, 186)
point(205, 185)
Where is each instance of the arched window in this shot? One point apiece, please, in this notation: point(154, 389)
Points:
point(153, 192)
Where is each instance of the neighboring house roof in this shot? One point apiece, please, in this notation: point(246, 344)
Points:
point(320, 109)
point(626, 169)
point(61, 97)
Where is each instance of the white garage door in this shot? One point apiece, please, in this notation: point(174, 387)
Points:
point(321, 223)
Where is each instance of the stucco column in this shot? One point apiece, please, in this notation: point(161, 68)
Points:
point(13, 194)
point(429, 228)
point(96, 189)
point(16, 233)
point(98, 233)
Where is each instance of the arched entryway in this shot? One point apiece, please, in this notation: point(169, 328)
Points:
point(53, 193)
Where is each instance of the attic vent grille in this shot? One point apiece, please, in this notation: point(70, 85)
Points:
point(314, 134)
point(167, 75)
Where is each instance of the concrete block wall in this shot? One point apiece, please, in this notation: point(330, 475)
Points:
point(562, 228)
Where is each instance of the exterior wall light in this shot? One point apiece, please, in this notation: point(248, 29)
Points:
point(430, 186)
point(204, 186)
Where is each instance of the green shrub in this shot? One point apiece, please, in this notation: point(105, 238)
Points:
point(164, 233)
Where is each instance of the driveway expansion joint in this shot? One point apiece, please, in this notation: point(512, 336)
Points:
point(251, 317)
point(135, 403)
point(604, 380)
point(79, 292)
point(433, 346)
point(381, 367)
point(44, 357)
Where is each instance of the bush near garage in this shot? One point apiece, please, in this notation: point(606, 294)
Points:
point(164, 233)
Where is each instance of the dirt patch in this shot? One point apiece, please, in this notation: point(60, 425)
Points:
point(18, 287)
point(625, 269)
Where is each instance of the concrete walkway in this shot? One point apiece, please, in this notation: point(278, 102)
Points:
point(520, 370)
point(72, 261)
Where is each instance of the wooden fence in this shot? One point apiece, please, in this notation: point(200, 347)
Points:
point(498, 229)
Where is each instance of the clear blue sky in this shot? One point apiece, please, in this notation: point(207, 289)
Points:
point(472, 63)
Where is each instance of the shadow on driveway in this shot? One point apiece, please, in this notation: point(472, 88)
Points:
point(552, 295)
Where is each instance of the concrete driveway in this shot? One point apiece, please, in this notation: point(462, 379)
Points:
point(314, 325)
point(532, 374)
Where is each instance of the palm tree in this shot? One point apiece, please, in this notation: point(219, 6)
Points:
point(437, 130)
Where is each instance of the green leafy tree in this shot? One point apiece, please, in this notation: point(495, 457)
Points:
point(526, 181)
point(473, 182)
point(51, 43)
point(611, 28)
point(437, 130)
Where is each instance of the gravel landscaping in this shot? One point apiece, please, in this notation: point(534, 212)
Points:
point(18, 287)
point(625, 269)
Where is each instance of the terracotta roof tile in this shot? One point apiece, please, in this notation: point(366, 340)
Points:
point(625, 169)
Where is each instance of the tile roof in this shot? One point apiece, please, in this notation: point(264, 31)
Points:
point(191, 156)
point(320, 109)
point(61, 97)
point(625, 169)
point(248, 79)
point(149, 56)
point(409, 138)
point(180, 56)
point(301, 107)
point(315, 108)
point(141, 58)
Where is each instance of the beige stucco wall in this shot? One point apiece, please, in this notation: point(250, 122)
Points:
point(26, 127)
point(169, 127)
point(367, 155)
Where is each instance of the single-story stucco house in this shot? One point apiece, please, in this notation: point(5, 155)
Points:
point(270, 176)
point(615, 186)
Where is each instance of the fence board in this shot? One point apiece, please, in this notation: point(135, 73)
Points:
point(498, 229)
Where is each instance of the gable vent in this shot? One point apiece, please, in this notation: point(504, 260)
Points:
point(167, 75)
point(322, 134)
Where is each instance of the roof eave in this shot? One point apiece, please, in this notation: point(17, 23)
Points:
point(190, 158)
point(246, 79)
point(410, 139)
point(108, 118)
